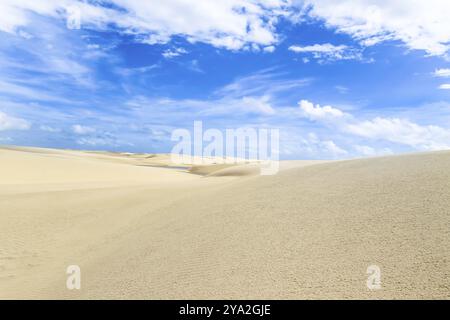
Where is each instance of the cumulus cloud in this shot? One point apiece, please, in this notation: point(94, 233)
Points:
point(231, 24)
point(422, 25)
point(402, 131)
point(444, 73)
point(240, 24)
point(395, 130)
point(12, 123)
point(319, 113)
point(328, 51)
point(247, 24)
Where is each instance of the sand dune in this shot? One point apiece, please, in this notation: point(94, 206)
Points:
point(245, 169)
point(141, 228)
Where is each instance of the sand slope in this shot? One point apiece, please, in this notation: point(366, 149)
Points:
point(142, 231)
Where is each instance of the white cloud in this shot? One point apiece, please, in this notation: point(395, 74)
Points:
point(226, 105)
point(12, 123)
point(341, 89)
point(370, 152)
point(328, 52)
point(92, 137)
point(232, 24)
point(269, 49)
point(172, 53)
point(95, 141)
point(255, 94)
point(319, 113)
point(394, 130)
point(423, 25)
point(260, 105)
point(442, 73)
point(104, 139)
point(402, 131)
point(66, 66)
point(194, 65)
point(330, 146)
point(15, 12)
point(265, 82)
point(79, 129)
point(246, 24)
point(320, 48)
point(11, 88)
point(445, 86)
point(49, 129)
point(47, 67)
point(135, 71)
point(312, 145)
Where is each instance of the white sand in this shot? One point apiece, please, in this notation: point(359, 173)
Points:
point(139, 229)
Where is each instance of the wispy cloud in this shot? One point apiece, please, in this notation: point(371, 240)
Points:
point(49, 129)
point(172, 53)
point(342, 89)
point(312, 145)
point(265, 82)
point(32, 93)
point(79, 129)
point(368, 151)
point(328, 52)
point(102, 141)
point(8, 122)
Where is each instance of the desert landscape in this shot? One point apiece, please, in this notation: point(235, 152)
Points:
point(142, 228)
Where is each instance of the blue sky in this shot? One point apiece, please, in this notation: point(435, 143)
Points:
point(339, 79)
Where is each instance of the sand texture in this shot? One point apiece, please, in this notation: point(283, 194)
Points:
point(142, 228)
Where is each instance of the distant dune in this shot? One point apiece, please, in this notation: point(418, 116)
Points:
point(140, 227)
